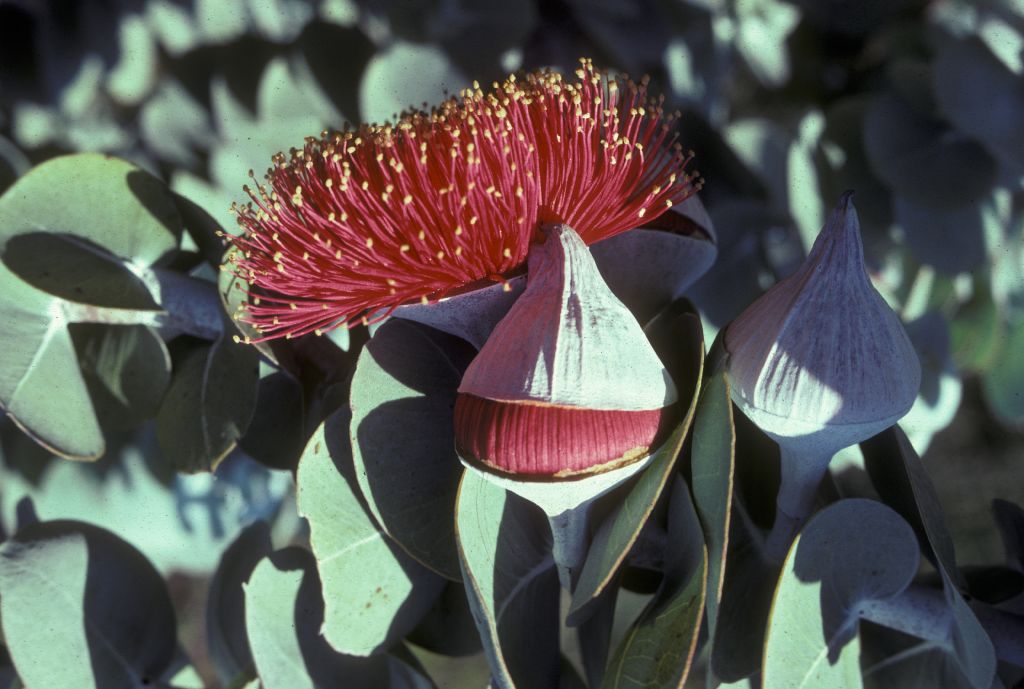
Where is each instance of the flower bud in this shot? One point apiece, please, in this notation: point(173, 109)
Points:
point(821, 358)
point(567, 385)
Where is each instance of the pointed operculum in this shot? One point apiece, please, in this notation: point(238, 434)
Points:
point(822, 351)
point(567, 384)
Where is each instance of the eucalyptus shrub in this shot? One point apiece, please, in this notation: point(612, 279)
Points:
point(486, 393)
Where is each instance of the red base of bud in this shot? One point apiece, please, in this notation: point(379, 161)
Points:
point(554, 441)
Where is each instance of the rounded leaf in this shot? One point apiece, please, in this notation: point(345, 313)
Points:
point(81, 608)
point(852, 552)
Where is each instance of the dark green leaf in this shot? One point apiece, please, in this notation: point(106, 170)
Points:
point(658, 649)
point(711, 475)
point(903, 483)
point(81, 608)
point(277, 432)
point(977, 331)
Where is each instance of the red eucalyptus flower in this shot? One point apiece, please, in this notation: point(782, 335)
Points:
point(359, 222)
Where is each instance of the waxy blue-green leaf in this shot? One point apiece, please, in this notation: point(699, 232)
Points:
point(511, 581)
point(225, 603)
point(103, 200)
point(711, 476)
point(403, 442)
point(404, 75)
point(950, 240)
point(678, 339)
point(83, 609)
point(373, 591)
point(127, 217)
point(126, 369)
point(283, 616)
point(448, 627)
point(982, 98)
point(850, 553)
point(277, 433)
point(208, 405)
point(903, 483)
point(658, 649)
point(900, 478)
point(182, 522)
point(917, 156)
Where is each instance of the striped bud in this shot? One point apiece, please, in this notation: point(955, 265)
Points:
point(567, 385)
point(821, 357)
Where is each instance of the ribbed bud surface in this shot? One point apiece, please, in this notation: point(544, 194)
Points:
point(822, 349)
point(567, 383)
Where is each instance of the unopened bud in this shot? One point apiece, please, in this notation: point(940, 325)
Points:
point(821, 356)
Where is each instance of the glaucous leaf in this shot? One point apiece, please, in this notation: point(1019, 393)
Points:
point(208, 405)
point(373, 591)
point(670, 264)
point(277, 433)
point(81, 608)
point(181, 522)
point(404, 75)
point(511, 581)
point(900, 478)
point(283, 616)
point(982, 98)
point(448, 627)
point(104, 200)
point(903, 484)
point(851, 552)
point(658, 649)
point(76, 269)
point(711, 477)
point(403, 446)
point(126, 369)
point(678, 339)
point(106, 204)
point(951, 240)
point(225, 603)
point(917, 156)
point(41, 384)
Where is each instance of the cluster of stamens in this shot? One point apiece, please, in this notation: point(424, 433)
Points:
point(359, 222)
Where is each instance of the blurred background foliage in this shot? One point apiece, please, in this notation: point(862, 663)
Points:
point(916, 105)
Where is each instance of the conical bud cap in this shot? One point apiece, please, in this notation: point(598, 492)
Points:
point(567, 383)
point(821, 353)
